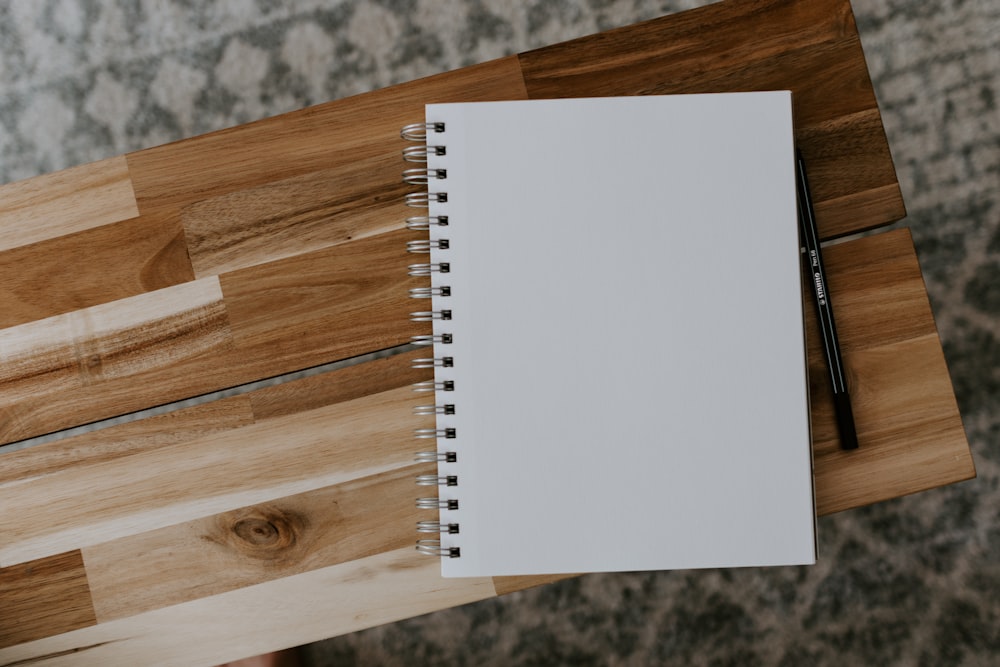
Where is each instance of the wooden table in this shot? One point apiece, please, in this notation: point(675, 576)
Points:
point(284, 515)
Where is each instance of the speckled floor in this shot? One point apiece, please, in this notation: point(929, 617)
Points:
point(910, 582)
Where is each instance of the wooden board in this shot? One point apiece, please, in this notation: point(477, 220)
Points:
point(65, 202)
point(141, 476)
point(904, 405)
point(295, 215)
point(285, 515)
point(46, 597)
point(316, 474)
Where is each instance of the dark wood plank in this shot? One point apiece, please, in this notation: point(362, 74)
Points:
point(296, 215)
point(329, 304)
point(91, 267)
point(43, 598)
point(810, 47)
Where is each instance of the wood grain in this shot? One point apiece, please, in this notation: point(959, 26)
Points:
point(250, 545)
point(65, 202)
point(285, 515)
point(909, 427)
point(120, 440)
point(325, 305)
point(43, 598)
point(109, 262)
point(335, 134)
point(296, 215)
point(810, 47)
point(216, 473)
point(102, 361)
point(248, 621)
point(206, 335)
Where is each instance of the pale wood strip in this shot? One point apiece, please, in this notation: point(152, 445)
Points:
point(43, 598)
point(285, 612)
point(91, 267)
point(277, 457)
point(66, 201)
point(251, 545)
point(109, 359)
point(121, 440)
point(297, 215)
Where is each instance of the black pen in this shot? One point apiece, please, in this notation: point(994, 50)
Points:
point(824, 311)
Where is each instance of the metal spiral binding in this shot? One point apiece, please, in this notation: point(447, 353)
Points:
point(421, 153)
point(429, 268)
point(420, 223)
point(420, 133)
point(434, 548)
point(436, 527)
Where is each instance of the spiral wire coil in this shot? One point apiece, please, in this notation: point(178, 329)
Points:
point(420, 134)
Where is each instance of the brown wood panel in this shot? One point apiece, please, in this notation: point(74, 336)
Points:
point(251, 545)
point(44, 597)
point(344, 384)
point(198, 337)
point(304, 180)
point(293, 610)
point(810, 47)
point(64, 202)
point(325, 305)
point(297, 215)
point(91, 267)
point(908, 423)
point(109, 359)
point(321, 137)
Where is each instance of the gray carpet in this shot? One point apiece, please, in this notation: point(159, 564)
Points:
point(910, 582)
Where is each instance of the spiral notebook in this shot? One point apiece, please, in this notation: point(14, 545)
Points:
point(618, 347)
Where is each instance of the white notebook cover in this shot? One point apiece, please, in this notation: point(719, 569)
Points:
point(629, 362)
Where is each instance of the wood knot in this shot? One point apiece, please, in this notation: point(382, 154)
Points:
point(257, 532)
point(265, 533)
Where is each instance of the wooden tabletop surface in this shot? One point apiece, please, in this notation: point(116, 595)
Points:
point(285, 514)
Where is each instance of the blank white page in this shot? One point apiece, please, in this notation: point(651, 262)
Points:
point(629, 365)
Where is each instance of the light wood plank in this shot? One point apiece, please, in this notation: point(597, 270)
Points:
point(66, 201)
point(277, 457)
point(43, 598)
point(120, 440)
point(251, 545)
point(285, 612)
point(91, 267)
point(108, 359)
point(810, 47)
